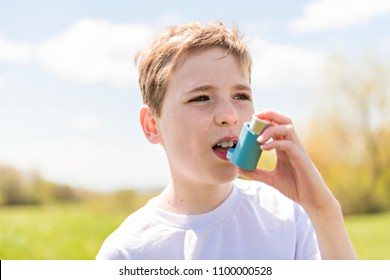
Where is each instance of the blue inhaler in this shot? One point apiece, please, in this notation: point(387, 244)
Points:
point(247, 152)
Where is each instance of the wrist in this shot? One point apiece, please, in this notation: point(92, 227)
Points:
point(331, 209)
point(332, 235)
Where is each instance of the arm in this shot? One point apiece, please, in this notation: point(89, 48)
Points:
point(296, 177)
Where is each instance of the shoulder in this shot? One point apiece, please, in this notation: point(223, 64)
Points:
point(268, 200)
point(283, 218)
point(126, 238)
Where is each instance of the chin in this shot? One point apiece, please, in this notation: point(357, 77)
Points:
point(226, 175)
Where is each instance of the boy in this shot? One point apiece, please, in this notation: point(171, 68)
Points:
point(195, 82)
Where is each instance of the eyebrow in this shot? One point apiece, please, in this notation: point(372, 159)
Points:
point(203, 88)
point(243, 87)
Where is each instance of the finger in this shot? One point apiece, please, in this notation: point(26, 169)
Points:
point(289, 148)
point(273, 116)
point(278, 132)
point(280, 145)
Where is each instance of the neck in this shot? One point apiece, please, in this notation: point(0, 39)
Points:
point(192, 199)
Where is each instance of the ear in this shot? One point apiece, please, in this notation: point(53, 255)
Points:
point(148, 124)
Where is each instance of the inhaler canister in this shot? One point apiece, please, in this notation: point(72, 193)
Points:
point(257, 125)
point(247, 152)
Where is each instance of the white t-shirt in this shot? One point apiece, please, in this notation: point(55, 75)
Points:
point(254, 222)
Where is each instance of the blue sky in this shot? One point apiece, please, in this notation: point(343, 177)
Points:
point(69, 99)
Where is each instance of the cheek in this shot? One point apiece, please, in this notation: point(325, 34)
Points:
point(247, 112)
point(186, 137)
point(175, 130)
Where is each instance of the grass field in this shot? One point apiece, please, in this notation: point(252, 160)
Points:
point(54, 232)
point(370, 235)
point(77, 232)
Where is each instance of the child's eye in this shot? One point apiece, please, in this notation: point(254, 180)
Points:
point(242, 96)
point(200, 98)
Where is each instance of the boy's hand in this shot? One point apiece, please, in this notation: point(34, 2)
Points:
point(294, 175)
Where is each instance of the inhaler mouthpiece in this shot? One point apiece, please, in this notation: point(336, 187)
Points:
point(247, 153)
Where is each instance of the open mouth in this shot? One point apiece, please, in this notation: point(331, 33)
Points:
point(221, 148)
point(225, 145)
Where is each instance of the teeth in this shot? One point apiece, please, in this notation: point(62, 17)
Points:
point(227, 144)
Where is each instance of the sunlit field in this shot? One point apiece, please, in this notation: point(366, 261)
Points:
point(370, 235)
point(77, 232)
point(54, 232)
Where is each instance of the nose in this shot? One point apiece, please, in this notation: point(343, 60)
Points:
point(226, 114)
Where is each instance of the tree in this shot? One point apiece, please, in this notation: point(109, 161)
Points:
point(351, 142)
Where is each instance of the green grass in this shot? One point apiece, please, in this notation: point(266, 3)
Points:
point(370, 235)
point(77, 232)
point(54, 232)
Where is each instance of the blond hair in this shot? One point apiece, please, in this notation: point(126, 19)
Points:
point(157, 61)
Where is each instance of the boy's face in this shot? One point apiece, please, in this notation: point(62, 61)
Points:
point(206, 103)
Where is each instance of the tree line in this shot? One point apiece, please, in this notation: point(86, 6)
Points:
point(18, 188)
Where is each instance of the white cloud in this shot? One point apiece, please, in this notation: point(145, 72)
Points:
point(338, 14)
point(278, 66)
point(15, 52)
point(93, 51)
point(89, 52)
